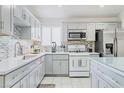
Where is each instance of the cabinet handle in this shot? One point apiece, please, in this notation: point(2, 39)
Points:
point(80, 63)
point(73, 63)
point(1, 25)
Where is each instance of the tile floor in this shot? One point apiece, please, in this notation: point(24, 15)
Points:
point(66, 82)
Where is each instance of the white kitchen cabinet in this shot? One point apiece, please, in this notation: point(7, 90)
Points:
point(33, 79)
point(100, 26)
point(56, 64)
point(77, 26)
point(21, 16)
point(18, 11)
point(60, 67)
point(60, 64)
point(64, 67)
point(17, 85)
point(56, 67)
point(90, 34)
point(107, 26)
point(27, 76)
point(94, 80)
point(48, 64)
point(104, 76)
point(103, 84)
point(25, 82)
point(5, 19)
point(35, 29)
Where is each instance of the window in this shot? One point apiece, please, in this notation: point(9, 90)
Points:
point(51, 34)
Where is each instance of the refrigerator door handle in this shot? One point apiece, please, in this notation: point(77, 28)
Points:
point(115, 47)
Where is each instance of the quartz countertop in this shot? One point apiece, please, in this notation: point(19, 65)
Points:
point(10, 64)
point(85, 53)
point(114, 62)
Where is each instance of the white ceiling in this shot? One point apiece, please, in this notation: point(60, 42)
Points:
point(75, 11)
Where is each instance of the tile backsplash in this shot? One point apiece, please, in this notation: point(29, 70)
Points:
point(7, 45)
point(4, 49)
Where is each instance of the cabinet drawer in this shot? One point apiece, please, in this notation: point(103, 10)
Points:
point(115, 75)
point(63, 57)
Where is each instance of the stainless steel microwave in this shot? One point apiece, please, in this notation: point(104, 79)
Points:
point(76, 35)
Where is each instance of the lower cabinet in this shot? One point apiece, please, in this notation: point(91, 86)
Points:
point(103, 76)
point(33, 79)
point(103, 84)
point(28, 76)
point(60, 67)
point(64, 67)
point(17, 85)
point(56, 64)
point(48, 64)
point(94, 80)
point(25, 82)
point(56, 67)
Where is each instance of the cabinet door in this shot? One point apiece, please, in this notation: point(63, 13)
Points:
point(103, 84)
point(43, 69)
point(64, 67)
point(18, 11)
point(25, 82)
point(48, 64)
point(56, 67)
point(5, 11)
point(32, 28)
point(90, 32)
point(17, 85)
point(77, 26)
point(32, 79)
point(94, 80)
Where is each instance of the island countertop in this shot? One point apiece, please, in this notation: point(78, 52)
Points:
point(114, 62)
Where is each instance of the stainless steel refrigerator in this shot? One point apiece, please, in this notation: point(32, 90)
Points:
point(116, 38)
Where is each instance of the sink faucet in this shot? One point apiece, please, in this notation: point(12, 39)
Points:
point(18, 43)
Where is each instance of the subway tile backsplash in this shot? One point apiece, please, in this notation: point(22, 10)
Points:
point(4, 49)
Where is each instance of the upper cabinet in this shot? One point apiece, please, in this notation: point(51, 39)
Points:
point(31, 26)
point(35, 30)
point(107, 26)
point(21, 16)
point(90, 34)
point(77, 26)
point(5, 17)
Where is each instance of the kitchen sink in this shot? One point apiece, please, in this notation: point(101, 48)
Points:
point(25, 57)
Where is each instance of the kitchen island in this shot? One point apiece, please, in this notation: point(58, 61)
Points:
point(107, 72)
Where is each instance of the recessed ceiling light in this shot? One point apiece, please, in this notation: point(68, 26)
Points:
point(59, 5)
point(101, 6)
